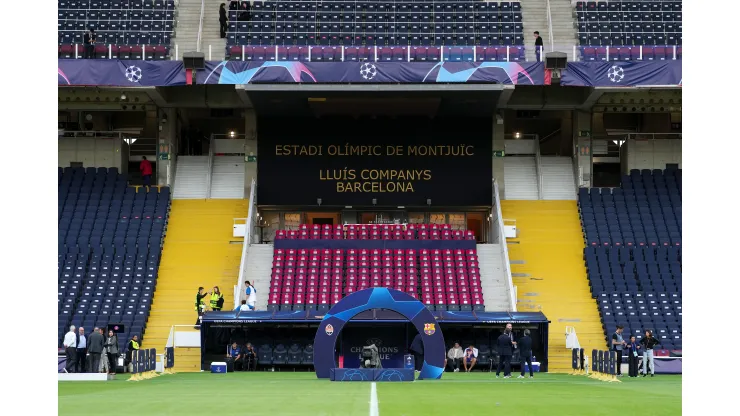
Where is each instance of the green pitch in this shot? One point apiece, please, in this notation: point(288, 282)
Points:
point(301, 394)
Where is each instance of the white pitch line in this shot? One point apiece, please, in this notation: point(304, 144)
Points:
point(374, 400)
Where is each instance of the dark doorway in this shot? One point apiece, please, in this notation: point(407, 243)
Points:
point(323, 221)
point(607, 175)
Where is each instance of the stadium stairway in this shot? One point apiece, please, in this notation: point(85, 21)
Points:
point(520, 178)
point(558, 183)
point(191, 177)
point(198, 251)
point(211, 32)
point(494, 282)
point(259, 269)
point(186, 32)
point(227, 177)
point(548, 271)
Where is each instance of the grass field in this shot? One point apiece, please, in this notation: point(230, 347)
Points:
point(277, 394)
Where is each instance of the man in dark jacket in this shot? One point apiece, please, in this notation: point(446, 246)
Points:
point(95, 347)
point(505, 351)
point(525, 352)
point(417, 348)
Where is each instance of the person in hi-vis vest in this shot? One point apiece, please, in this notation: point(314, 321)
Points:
point(200, 305)
point(217, 299)
point(133, 345)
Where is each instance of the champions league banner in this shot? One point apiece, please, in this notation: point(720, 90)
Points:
point(239, 72)
point(120, 73)
point(391, 343)
point(133, 73)
point(622, 74)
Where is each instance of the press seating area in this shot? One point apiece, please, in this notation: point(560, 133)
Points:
point(633, 253)
point(316, 279)
point(285, 30)
point(629, 30)
point(133, 29)
point(110, 242)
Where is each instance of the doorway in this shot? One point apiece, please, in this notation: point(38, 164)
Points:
point(322, 218)
point(475, 224)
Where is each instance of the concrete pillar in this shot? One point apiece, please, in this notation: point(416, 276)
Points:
point(166, 146)
point(498, 162)
point(250, 150)
point(582, 144)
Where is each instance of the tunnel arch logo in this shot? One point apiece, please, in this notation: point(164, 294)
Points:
point(329, 330)
point(429, 329)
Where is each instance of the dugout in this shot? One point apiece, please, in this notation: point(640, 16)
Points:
point(390, 331)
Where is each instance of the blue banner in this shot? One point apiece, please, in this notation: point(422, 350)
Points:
point(390, 340)
point(240, 72)
point(120, 73)
point(132, 73)
point(622, 74)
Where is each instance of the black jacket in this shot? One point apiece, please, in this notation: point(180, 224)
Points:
point(222, 14)
point(417, 345)
point(95, 343)
point(504, 345)
point(649, 343)
point(525, 346)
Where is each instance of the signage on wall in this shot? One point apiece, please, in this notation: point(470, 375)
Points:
point(383, 162)
point(498, 153)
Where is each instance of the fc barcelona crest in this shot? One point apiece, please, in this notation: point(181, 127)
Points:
point(429, 329)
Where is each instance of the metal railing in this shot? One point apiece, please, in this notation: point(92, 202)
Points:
point(251, 216)
point(200, 26)
point(210, 171)
point(504, 248)
point(549, 26)
point(538, 168)
point(470, 53)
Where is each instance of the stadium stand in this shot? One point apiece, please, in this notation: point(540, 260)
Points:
point(377, 30)
point(125, 29)
point(629, 30)
point(443, 279)
point(634, 256)
point(110, 239)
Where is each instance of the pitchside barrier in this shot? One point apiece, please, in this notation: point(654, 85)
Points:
point(603, 364)
point(143, 364)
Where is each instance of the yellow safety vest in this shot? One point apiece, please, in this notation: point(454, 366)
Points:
point(134, 345)
point(199, 304)
point(214, 299)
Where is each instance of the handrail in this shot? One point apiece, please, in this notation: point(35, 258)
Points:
point(200, 24)
point(504, 247)
point(209, 178)
point(239, 287)
point(538, 168)
point(549, 27)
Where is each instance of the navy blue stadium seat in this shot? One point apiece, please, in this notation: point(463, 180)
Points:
point(381, 25)
point(633, 253)
point(109, 245)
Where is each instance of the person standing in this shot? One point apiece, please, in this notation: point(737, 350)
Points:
point(70, 349)
point(145, 167)
point(455, 357)
point(222, 20)
point(525, 352)
point(111, 345)
point(217, 299)
point(89, 44)
point(95, 348)
point(417, 349)
point(133, 345)
point(81, 361)
point(505, 348)
point(538, 45)
point(649, 342)
point(618, 344)
point(251, 295)
point(632, 351)
point(200, 305)
point(104, 367)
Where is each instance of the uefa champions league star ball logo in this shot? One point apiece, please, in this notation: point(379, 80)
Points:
point(133, 73)
point(368, 71)
point(615, 73)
